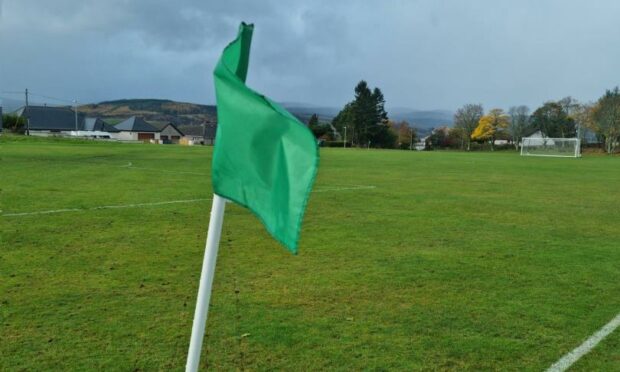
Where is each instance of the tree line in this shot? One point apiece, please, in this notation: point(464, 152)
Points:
point(565, 118)
point(365, 123)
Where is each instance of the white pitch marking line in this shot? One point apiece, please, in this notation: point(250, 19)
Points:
point(357, 187)
point(131, 166)
point(104, 207)
point(589, 344)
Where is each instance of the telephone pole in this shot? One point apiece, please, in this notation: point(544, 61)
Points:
point(27, 115)
point(76, 116)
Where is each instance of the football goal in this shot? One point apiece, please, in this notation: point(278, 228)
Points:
point(545, 146)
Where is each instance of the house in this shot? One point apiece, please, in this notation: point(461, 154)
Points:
point(136, 129)
point(97, 124)
point(421, 144)
point(194, 134)
point(49, 121)
point(199, 134)
point(59, 121)
point(95, 128)
point(170, 134)
point(539, 139)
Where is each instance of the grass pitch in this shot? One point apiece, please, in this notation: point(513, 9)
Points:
point(478, 261)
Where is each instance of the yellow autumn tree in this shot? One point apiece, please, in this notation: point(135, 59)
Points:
point(489, 125)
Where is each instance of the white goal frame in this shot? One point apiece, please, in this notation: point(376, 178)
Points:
point(544, 140)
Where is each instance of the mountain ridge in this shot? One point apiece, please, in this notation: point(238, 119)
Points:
point(186, 113)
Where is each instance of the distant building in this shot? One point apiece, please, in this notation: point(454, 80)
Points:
point(48, 120)
point(170, 134)
point(61, 121)
point(136, 129)
point(199, 134)
point(421, 144)
point(97, 124)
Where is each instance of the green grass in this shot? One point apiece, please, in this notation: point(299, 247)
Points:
point(455, 261)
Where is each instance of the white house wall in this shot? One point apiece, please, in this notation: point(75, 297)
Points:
point(126, 136)
point(130, 136)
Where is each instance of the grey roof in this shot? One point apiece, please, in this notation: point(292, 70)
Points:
point(175, 128)
point(98, 124)
point(208, 130)
point(51, 118)
point(136, 124)
point(89, 123)
point(161, 126)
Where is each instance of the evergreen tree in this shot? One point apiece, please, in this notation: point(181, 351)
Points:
point(317, 128)
point(314, 121)
point(345, 119)
point(364, 113)
point(366, 119)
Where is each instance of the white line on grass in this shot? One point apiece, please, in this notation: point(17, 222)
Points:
point(131, 166)
point(589, 344)
point(355, 187)
point(104, 207)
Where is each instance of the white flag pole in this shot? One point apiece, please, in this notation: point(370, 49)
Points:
point(206, 280)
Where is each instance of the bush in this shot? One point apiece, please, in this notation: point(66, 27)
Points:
point(13, 123)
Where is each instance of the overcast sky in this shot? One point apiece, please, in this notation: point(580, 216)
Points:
point(423, 54)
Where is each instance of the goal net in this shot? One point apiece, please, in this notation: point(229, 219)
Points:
point(545, 146)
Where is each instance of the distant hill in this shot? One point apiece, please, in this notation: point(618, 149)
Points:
point(304, 112)
point(183, 113)
point(155, 110)
point(423, 120)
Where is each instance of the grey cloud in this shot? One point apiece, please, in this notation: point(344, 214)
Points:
point(423, 54)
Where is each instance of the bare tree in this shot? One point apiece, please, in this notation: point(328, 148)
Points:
point(607, 117)
point(466, 118)
point(583, 116)
point(569, 105)
point(518, 123)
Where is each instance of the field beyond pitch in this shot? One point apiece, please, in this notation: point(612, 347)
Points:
point(408, 260)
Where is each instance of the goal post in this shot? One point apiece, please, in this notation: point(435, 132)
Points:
point(555, 147)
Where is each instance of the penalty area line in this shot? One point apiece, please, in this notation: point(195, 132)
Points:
point(567, 360)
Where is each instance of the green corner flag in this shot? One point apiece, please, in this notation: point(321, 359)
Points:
point(264, 158)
